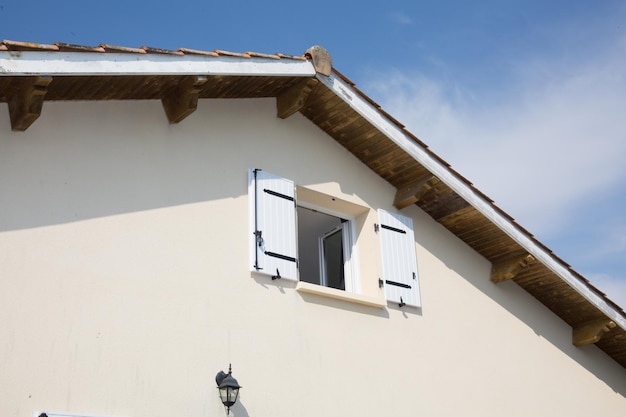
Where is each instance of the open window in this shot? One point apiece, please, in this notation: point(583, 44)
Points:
point(299, 240)
point(325, 247)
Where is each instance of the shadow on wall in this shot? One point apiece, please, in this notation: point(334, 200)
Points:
point(108, 160)
point(85, 160)
point(512, 299)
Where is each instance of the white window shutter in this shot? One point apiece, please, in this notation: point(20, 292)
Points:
point(399, 259)
point(273, 220)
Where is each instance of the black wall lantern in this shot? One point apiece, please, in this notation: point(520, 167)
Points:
point(228, 387)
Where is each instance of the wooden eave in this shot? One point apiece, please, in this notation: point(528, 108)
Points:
point(585, 311)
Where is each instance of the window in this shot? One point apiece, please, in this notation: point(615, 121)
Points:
point(299, 240)
point(324, 247)
point(316, 243)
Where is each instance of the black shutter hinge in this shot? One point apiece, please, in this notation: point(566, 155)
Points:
point(402, 303)
point(381, 283)
point(277, 276)
point(376, 227)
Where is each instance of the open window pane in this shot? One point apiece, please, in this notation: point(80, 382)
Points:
point(333, 269)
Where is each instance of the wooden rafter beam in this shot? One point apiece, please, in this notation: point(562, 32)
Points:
point(294, 98)
point(413, 192)
point(510, 268)
point(182, 100)
point(591, 332)
point(26, 104)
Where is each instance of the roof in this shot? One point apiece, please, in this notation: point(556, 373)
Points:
point(33, 73)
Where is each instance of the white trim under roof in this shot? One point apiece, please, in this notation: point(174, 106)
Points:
point(96, 63)
point(441, 171)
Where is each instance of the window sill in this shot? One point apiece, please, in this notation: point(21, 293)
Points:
point(306, 287)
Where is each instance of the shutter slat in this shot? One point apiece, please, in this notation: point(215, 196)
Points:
point(399, 258)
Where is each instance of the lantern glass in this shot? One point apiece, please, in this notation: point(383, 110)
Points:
point(228, 395)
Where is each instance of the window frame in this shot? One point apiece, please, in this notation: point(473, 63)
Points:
point(350, 246)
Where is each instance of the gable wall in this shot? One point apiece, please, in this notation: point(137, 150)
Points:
point(126, 284)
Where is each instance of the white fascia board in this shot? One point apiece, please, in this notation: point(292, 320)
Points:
point(97, 63)
point(419, 153)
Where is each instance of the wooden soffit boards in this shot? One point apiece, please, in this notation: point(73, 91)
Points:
point(150, 87)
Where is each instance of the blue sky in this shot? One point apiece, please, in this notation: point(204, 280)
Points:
point(527, 99)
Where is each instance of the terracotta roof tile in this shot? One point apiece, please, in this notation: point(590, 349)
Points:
point(28, 46)
point(260, 55)
point(8, 45)
point(122, 49)
point(298, 57)
point(187, 51)
point(235, 54)
point(151, 50)
point(68, 47)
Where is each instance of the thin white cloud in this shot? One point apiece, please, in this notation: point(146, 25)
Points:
point(546, 152)
point(554, 142)
point(400, 18)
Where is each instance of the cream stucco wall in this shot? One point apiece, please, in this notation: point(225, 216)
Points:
point(126, 285)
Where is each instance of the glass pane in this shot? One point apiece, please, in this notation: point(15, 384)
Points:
point(232, 395)
point(333, 260)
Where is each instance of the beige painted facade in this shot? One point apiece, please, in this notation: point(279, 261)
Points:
point(126, 284)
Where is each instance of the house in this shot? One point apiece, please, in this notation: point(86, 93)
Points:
point(167, 213)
